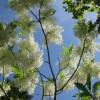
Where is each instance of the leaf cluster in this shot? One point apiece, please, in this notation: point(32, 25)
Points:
point(86, 90)
point(79, 7)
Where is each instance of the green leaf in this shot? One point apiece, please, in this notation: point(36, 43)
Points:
point(10, 27)
point(84, 98)
point(13, 25)
point(88, 82)
point(11, 98)
point(71, 47)
point(61, 75)
point(81, 87)
point(65, 51)
point(96, 86)
point(76, 95)
point(1, 26)
point(82, 94)
point(17, 71)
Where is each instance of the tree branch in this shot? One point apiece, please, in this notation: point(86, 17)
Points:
point(48, 52)
point(42, 74)
point(76, 67)
point(44, 34)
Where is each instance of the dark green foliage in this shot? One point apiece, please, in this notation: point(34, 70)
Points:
point(17, 71)
point(87, 90)
point(1, 27)
point(7, 32)
point(84, 90)
point(15, 94)
point(96, 86)
point(97, 2)
point(79, 7)
point(81, 87)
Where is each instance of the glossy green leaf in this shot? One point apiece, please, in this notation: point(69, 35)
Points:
point(1, 26)
point(81, 87)
point(61, 75)
point(76, 95)
point(17, 71)
point(82, 94)
point(96, 86)
point(88, 82)
point(10, 27)
point(84, 98)
point(71, 47)
point(65, 51)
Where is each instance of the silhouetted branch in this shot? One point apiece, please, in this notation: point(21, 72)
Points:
point(42, 74)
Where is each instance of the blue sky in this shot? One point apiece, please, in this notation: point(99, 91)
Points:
point(63, 19)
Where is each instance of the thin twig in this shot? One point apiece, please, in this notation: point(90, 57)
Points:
point(59, 69)
point(48, 52)
point(42, 87)
point(42, 74)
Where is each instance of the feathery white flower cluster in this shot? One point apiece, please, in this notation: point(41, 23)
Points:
point(69, 61)
point(95, 47)
point(5, 62)
point(27, 83)
point(63, 78)
point(25, 24)
point(86, 67)
point(6, 88)
point(49, 89)
point(28, 56)
point(53, 32)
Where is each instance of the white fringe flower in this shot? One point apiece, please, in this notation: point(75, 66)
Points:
point(29, 54)
point(6, 88)
point(49, 89)
point(53, 32)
